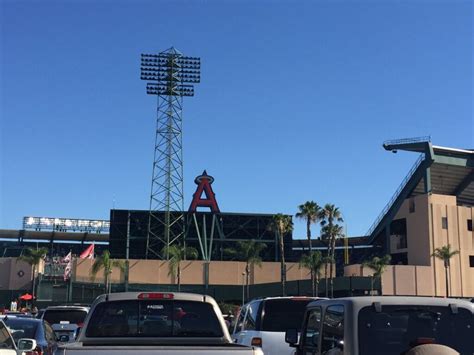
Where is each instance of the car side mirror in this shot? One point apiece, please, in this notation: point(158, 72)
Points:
point(25, 344)
point(63, 338)
point(291, 337)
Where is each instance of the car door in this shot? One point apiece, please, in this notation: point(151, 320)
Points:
point(310, 336)
point(332, 336)
point(7, 346)
point(239, 330)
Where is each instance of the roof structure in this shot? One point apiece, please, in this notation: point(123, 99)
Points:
point(438, 170)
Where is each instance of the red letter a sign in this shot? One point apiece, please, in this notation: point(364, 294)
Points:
point(204, 182)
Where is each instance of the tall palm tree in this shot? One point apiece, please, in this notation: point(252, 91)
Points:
point(309, 211)
point(329, 216)
point(178, 253)
point(282, 225)
point(33, 257)
point(107, 263)
point(333, 232)
point(314, 262)
point(445, 253)
point(378, 265)
point(248, 251)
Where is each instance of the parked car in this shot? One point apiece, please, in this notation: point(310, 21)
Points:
point(8, 346)
point(384, 325)
point(32, 328)
point(18, 314)
point(66, 320)
point(263, 322)
point(155, 323)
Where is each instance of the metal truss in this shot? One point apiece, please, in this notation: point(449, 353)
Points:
point(171, 75)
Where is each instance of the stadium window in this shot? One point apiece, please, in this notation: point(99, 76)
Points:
point(469, 225)
point(471, 260)
point(444, 222)
point(411, 206)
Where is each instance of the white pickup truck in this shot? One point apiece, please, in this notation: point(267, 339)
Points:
point(155, 323)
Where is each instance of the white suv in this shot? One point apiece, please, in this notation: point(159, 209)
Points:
point(263, 322)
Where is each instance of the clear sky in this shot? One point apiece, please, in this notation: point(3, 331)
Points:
point(295, 101)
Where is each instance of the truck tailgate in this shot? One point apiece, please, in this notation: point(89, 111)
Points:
point(174, 350)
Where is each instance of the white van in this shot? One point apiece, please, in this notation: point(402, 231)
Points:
point(263, 322)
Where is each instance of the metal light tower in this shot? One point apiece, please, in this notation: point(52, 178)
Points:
point(171, 76)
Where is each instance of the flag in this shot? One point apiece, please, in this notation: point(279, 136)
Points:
point(88, 253)
point(67, 270)
point(67, 258)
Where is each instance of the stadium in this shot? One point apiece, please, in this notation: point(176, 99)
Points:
point(432, 207)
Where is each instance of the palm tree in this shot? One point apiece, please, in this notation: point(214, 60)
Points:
point(33, 257)
point(309, 211)
point(282, 225)
point(178, 253)
point(378, 265)
point(107, 263)
point(332, 232)
point(445, 253)
point(329, 216)
point(248, 251)
point(314, 262)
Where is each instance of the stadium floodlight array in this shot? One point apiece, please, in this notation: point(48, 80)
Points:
point(168, 72)
point(65, 224)
point(171, 76)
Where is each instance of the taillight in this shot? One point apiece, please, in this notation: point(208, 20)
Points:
point(155, 296)
point(80, 324)
point(256, 342)
point(37, 351)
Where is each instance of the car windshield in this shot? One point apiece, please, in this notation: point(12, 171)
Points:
point(73, 316)
point(154, 318)
point(396, 329)
point(283, 314)
point(22, 327)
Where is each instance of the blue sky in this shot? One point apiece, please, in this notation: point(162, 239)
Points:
point(295, 101)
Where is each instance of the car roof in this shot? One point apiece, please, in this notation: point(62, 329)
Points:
point(394, 300)
point(81, 308)
point(23, 319)
point(179, 296)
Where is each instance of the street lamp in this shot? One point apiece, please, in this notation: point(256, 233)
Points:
point(243, 287)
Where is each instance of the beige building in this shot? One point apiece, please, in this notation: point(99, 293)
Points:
point(432, 209)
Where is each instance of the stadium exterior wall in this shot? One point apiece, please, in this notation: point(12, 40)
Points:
point(432, 221)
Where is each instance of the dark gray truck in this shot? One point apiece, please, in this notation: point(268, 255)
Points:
point(155, 323)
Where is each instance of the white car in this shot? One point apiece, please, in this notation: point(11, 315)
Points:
point(8, 346)
point(263, 322)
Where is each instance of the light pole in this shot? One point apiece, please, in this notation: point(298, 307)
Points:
point(243, 288)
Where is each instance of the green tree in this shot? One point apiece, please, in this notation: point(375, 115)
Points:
point(177, 253)
point(309, 211)
point(33, 257)
point(313, 261)
point(333, 232)
point(378, 265)
point(107, 263)
point(329, 216)
point(248, 251)
point(445, 253)
point(282, 225)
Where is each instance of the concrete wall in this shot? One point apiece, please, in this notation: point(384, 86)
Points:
point(15, 275)
point(425, 274)
point(192, 272)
